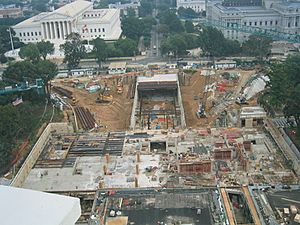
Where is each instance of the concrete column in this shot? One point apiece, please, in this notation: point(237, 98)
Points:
point(65, 28)
point(61, 32)
point(70, 26)
point(48, 30)
point(55, 30)
point(52, 30)
point(43, 31)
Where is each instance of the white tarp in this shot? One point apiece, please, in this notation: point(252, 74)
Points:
point(28, 207)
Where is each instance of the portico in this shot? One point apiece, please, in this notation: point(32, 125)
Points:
point(78, 16)
point(56, 29)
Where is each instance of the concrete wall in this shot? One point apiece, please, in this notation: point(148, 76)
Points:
point(134, 105)
point(286, 147)
point(183, 124)
point(59, 128)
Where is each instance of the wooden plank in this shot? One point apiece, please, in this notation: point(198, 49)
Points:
point(251, 206)
point(227, 207)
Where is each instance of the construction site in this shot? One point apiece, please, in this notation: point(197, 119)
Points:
point(185, 148)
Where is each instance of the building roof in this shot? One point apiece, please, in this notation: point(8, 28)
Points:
point(253, 112)
point(116, 65)
point(69, 10)
point(27, 207)
point(158, 78)
point(73, 8)
point(10, 11)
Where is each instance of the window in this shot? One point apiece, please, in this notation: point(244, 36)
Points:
point(260, 23)
point(31, 33)
point(91, 30)
point(103, 30)
point(276, 22)
point(36, 33)
point(266, 23)
point(289, 24)
point(255, 23)
point(24, 34)
point(95, 30)
point(20, 34)
point(296, 24)
point(28, 34)
point(271, 22)
point(250, 23)
point(245, 23)
point(99, 29)
point(40, 33)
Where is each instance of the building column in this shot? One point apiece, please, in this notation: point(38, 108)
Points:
point(49, 30)
point(60, 28)
point(52, 30)
point(65, 23)
point(70, 26)
point(55, 30)
point(43, 31)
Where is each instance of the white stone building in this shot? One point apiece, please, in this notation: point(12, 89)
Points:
point(196, 5)
point(278, 15)
point(78, 16)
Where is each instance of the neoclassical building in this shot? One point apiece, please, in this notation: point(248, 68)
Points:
point(196, 5)
point(277, 15)
point(78, 16)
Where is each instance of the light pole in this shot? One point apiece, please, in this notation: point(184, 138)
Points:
point(11, 39)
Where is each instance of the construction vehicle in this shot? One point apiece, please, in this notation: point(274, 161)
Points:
point(120, 86)
point(241, 100)
point(104, 97)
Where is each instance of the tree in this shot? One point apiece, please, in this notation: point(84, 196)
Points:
point(16, 71)
point(47, 70)
point(30, 52)
point(132, 27)
point(23, 70)
point(257, 46)
point(74, 50)
point(100, 49)
point(146, 8)
point(45, 48)
point(189, 26)
point(127, 46)
point(187, 13)
point(169, 18)
point(284, 88)
point(131, 12)
point(213, 43)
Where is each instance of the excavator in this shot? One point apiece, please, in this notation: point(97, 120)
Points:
point(104, 97)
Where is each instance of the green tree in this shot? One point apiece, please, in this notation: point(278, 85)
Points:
point(170, 19)
point(213, 43)
point(257, 46)
point(131, 12)
point(187, 13)
point(30, 52)
point(132, 27)
point(74, 50)
point(146, 8)
point(47, 70)
point(100, 50)
point(127, 46)
point(284, 88)
point(189, 26)
point(16, 71)
point(45, 48)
